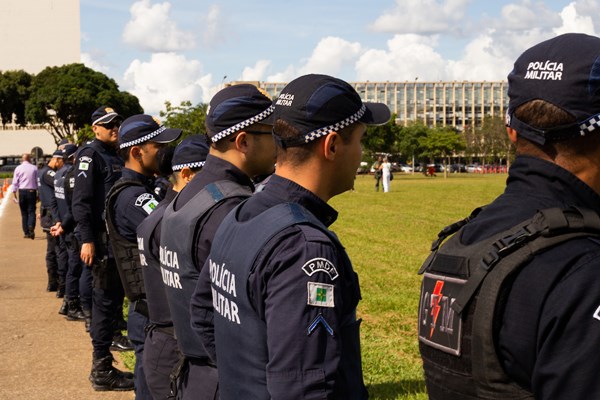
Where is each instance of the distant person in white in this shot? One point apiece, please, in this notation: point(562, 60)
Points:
point(386, 168)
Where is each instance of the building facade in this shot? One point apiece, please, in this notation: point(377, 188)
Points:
point(35, 34)
point(458, 103)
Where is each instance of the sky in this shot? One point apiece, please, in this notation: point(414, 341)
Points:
point(180, 50)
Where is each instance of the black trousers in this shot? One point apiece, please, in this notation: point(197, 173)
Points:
point(27, 200)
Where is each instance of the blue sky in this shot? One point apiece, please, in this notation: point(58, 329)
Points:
point(182, 49)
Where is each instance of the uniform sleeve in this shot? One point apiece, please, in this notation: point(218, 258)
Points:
point(299, 295)
point(131, 208)
point(54, 203)
point(87, 170)
point(17, 179)
point(567, 363)
point(201, 313)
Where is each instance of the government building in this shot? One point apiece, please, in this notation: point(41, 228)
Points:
point(458, 103)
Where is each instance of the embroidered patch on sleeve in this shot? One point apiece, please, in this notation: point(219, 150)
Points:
point(320, 295)
point(597, 314)
point(150, 206)
point(319, 321)
point(320, 265)
point(84, 166)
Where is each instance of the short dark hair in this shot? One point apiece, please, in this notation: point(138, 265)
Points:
point(297, 155)
point(543, 115)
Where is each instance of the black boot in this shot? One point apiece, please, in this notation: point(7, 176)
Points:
point(74, 312)
point(106, 377)
point(64, 308)
point(88, 318)
point(121, 343)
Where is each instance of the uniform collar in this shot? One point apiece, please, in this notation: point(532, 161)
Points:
point(289, 191)
point(131, 174)
point(216, 169)
point(534, 177)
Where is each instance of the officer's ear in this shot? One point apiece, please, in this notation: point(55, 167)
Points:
point(512, 134)
point(186, 174)
point(330, 145)
point(241, 142)
point(135, 152)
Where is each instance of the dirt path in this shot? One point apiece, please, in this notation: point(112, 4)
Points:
point(42, 355)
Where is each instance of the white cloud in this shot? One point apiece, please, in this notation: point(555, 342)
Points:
point(257, 72)
point(330, 56)
point(151, 29)
point(407, 57)
point(167, 76)
point(422, 17)
point(285, 76)
point(573, 22)
point(212, 27)
point(89, 61)
point(527, 15)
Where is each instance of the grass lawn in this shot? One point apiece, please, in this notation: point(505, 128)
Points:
point(388, 236)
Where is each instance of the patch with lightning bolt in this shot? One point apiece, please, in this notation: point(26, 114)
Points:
point(439, 326)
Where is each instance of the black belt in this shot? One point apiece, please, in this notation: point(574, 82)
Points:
point(28, 190)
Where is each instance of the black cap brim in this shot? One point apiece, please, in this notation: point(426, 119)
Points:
point(167, 136)
point(376, 114)
point(105, 119)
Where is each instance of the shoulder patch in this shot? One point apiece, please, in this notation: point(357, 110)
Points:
point(84, 166)
point(147, 202)
point(320, 265)
point(320, 295)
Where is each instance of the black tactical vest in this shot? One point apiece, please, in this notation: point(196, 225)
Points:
point(178, 232)
point(112, 164)
point(61, 186)
point(243, 376)
point(158, 307)
point(125, 252)
point(463, 292)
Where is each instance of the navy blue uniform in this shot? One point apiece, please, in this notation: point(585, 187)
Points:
point(161, 352)
point(303, 293)
point(214, 170)
point(64, 183)
point(132, 206)
point(97, 168)
point(550, 327)
point(56, 253)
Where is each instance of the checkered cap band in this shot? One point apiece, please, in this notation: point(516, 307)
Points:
point(590, 125)
point(309, 137)
point(143, 138)
point(179, 167)
point(244, 124)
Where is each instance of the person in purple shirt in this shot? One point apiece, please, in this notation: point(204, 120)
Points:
point(25, 181)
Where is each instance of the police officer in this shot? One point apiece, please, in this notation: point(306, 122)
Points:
point(97, 168)
point(532, 333)
point(283, 288)
point(56, 256)
point(237, 123)
point(63, 228)
point(161, 353)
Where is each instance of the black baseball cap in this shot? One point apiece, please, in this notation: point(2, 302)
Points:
point(318, 104)
point(563, 71)
point(69, 150)
point(235, 108)
point(191, 152)
point(143, 128)
point(58, 154)
point(103, 115)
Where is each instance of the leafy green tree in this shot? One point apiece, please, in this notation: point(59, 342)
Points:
point(63, 99)
point(186, 117)
point(442, 141)
point(489, 142)
point(382, 138)
point(14, 91)
point(409, 144)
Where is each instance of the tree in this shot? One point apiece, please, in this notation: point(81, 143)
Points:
point(489, 141)
point(382, 138)
point(186, 117)
point(409, 144)
point(14, 91)
point(63, 99)
point(442, 141)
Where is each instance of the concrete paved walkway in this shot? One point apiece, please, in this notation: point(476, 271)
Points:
point(42, 355)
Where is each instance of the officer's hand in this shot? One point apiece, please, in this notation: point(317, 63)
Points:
point(87, 253)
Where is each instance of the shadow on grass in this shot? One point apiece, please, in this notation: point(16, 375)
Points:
point(391, 390)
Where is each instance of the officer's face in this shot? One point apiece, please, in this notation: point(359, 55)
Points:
point(107, 133)
point(350, 159)
point(262, 154)
point(148, 157)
